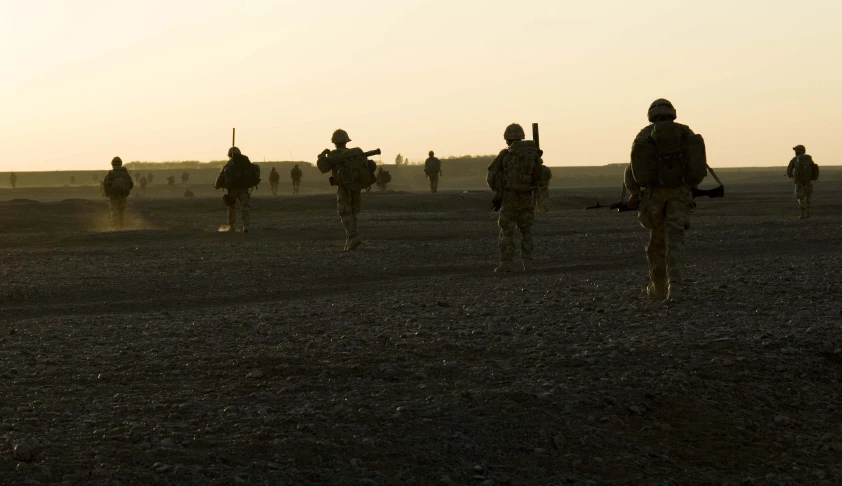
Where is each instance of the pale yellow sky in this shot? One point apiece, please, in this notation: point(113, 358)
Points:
point(85, 80)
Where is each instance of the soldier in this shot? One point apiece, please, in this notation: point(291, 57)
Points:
point(666, 204)
point(383, 178)
point(803, 171)
point(117, 186)
point(150, 177)
point(274, 180)
point(185, 176)
point(238, 177)
point(351, 171)
point(13, 180)
point(295, 173)
point(143, 183)
point(170, 180)
point(511, 176)
point(432, 167)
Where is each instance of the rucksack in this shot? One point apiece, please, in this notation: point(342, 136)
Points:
point(120, 184)
point(355, 171)
point(432, 166)
point(384, 177)
point(240, 173)
point(805, 170)
point(666, 155)
point(522, 166)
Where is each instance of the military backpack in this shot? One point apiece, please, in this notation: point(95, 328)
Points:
point(355, 171)
point(668, 155)
point(241, 173)
point(522, 166)
point(805, 170)
point(121, 184)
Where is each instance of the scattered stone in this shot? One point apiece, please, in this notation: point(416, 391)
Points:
point(167, 443)
point(23, 451)
point(161, 468)
point(390, 373)
point(255, 374)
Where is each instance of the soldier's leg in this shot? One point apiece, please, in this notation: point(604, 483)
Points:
point(525, 220)
point(677, 221)
point(113, 208)
point(356, 200)
point(232, 209)
point(800, 196)
point(345, 207)
point(651, 215)
point(244, 199)
point(122, 210)
point(808, 197)
point(507, 222)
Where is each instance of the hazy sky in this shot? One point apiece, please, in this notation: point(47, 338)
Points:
point(85, 80)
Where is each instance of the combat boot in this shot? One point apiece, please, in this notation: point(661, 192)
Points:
point(675, 292)
point(353, 243)
point(527, 265)
point(503, 267)
point(656, 292)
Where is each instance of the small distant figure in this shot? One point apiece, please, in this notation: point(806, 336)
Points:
point(143, 182)
point(274, 180)
point(383, 178)
point(72, 180)
point(432, 167)
point(150, 177)
point(185, 176)
point(13, 180)
point(171, 180)
point(188, 192)
point(238, 177)
point(116, 187)
point(542, 194)
point(803, 171)
point(295, 173)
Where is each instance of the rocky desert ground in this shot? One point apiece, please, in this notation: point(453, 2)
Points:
point(172, 353)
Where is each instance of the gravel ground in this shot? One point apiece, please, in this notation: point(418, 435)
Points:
point(172, 353)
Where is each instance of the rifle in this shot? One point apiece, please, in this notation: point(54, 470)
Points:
point(718, 191)
point(621, 206)
point(332, 162)
point(233, 137)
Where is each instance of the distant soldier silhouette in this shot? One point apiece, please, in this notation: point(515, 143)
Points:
point(432, 167)
point(117, 186)
point(170, 180)
point(184, 178)
point(510, 175)
point(803, 171)
point(667, 162)
point(295, 174)
point(274, 180)
point(383, 178)
point(142, 182)
point(238, 177)
point(351, 171)
point(13, 180)
point(150, 177)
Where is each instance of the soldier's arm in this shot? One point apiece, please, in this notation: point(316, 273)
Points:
point(219, 179)
point(628, 180)
point(494, 171)
point(790, 167)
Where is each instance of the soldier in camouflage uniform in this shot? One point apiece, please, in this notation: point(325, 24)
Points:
point(432, 167)
point(665, 212)
point(348, 201)
point(235, 195)
point(274, 180)
point(513, 175)
point(117, 186)
point(295, 174)
point(803, 187)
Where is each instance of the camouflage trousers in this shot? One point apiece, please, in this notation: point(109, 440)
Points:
point(117, 206)
point(541, 196)
point(273, 186)
point(434, 183)
point(804, 194)
point(666, 212)
point(243, 198)
point(296, 184)
point(348, 204)
point(517, 211)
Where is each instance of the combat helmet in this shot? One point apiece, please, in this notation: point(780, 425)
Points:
point(340, 136)
point(514, 132)
point(799, 149)
point(116, 162)
point(234, 152)
point(661, 108)
point(431, 153)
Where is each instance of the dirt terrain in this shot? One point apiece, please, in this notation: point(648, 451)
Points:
point(172, 353)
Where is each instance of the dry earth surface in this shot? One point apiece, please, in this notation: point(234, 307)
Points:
point(171, 353)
